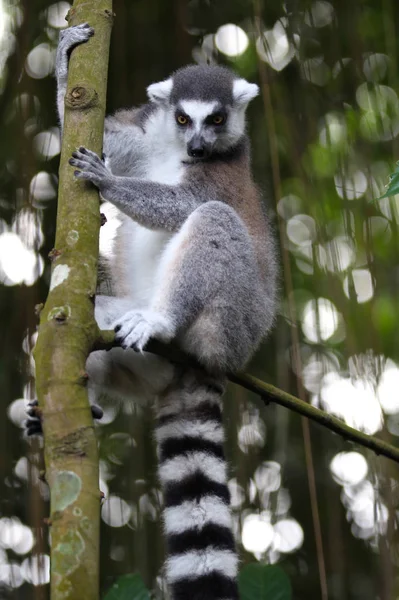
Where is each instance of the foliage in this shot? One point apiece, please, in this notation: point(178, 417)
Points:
point(256, 582)
point(262, 582)
point(393, 186)
point(128, 587)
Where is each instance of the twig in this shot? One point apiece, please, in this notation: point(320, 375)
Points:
point(270, 393)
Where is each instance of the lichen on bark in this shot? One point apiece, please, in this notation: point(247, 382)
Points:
point(68, 331)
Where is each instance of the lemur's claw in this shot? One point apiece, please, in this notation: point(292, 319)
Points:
point(91, 167)
point(96, 411)
point(135, 328)
point(71, 37)
point(33, 424)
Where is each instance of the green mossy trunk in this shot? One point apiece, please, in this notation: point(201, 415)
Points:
point(68, 330)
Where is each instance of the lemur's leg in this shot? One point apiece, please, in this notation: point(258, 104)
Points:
point(69, 39)
point(205, 295)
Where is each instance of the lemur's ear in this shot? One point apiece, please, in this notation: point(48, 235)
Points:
point(160, 92)
point(244, 92)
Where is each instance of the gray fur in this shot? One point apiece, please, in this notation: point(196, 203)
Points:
point(193, 260)
point(69, 38)
point(153, 205)
point(203, 82)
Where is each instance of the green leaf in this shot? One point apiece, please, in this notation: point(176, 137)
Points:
point(263, 582)
point(393, 185)
point(128, 587)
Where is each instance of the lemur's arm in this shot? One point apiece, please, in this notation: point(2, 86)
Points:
point(69, 38)
point(122, 138)
point(153, 205)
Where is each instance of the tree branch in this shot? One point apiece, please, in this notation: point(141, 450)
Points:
point(269, 393)
point(68, 329)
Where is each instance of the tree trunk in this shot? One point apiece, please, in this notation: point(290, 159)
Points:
point(68, 330)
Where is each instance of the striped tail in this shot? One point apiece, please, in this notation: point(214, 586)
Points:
point(201, 557)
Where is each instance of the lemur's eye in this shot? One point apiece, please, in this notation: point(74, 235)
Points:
point(218, 119)
point(182, 120)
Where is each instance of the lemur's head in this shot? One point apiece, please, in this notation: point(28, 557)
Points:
point(206, 105)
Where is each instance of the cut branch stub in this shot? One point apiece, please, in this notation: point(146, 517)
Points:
point(81, 97)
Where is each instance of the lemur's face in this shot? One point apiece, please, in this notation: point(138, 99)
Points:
point(206, 126)
point(205, 107)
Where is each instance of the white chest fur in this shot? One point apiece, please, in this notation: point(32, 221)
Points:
point(139, 250)
point(145, 249)
point(166, 168)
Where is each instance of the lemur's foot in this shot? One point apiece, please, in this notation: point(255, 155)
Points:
point(135, 329)
point(33, 424)
point(92, 168)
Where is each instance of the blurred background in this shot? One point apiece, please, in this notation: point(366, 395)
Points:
point(325, 138)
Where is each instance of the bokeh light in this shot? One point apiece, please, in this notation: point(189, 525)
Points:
point(324, 134)
point(231, 40)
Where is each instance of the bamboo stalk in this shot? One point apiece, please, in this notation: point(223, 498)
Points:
point(68, 329)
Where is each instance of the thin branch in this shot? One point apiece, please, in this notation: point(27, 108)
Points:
point(270, 393)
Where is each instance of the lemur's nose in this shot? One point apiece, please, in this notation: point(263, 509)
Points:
point(196, 152)
point(196, 147)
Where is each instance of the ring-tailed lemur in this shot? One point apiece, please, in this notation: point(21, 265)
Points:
point(193, 261)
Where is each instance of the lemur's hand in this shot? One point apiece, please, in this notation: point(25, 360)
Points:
point(78, 34)
point(69, 38)
point(91, 167)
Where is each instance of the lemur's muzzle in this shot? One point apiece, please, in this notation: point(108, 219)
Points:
point(197, 147)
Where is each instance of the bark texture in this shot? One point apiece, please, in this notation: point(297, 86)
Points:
point(68, 330)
